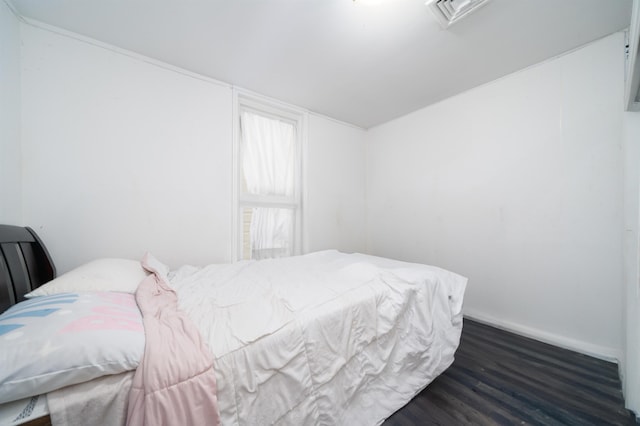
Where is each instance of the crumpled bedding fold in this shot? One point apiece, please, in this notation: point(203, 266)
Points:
point(324, 339)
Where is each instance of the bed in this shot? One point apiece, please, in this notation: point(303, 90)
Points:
point(324, 338)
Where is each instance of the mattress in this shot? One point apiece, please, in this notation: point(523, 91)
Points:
point(326, 338)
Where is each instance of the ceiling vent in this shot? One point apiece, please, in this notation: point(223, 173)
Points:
point(450, 11)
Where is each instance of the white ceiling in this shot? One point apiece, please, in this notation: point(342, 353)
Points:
point(360, 63)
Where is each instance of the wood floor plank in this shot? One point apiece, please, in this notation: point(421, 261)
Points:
point(513, 349)
point(559, 367)
point(591, 389)
point(479, 402)
point(500, 378)
point(498, 397)
point(476, 329)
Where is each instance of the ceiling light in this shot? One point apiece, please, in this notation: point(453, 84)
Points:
point(447, 12)
point(370, 2)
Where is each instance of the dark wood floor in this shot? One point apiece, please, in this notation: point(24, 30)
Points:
point(502, 378)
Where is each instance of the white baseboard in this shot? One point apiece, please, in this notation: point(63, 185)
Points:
point(596, 351)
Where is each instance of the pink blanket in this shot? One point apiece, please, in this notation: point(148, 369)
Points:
point(175, 383)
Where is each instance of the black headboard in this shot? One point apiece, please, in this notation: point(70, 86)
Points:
point(25, 264)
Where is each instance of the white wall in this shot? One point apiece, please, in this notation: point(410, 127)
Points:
point(335, 209)
point(10, 170)
point(631, 364)
point(517, 185)
point(124, 155)
point(121, 156)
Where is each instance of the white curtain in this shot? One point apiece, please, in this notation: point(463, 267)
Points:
point(268, 154)
point(271, 233)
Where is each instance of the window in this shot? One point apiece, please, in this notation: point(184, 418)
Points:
point(268, 184)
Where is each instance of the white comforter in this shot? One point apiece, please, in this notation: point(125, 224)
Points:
point(322, 339)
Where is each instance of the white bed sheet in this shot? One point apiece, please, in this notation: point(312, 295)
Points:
point(23, 410)
point(323, 339)
point(99, 402)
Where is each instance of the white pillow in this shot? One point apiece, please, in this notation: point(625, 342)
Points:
point(122, 275)
point(50, 342)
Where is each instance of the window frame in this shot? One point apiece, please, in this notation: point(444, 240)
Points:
point(244, 101)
